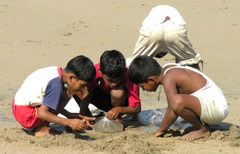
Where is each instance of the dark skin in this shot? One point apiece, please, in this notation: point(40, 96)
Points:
point(118, 99)
point(79, 123)
point(178, 85)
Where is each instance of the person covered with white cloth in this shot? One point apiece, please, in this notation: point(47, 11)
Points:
point(164, 31)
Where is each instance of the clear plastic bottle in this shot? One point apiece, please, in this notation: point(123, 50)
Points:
point(103, 124)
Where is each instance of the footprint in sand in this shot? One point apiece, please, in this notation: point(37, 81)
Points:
point(74, 27)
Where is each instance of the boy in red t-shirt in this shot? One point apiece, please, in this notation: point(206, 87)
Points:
point(112, 91)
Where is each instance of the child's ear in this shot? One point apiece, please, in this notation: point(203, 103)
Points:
point(71, 77)
point(150, 79)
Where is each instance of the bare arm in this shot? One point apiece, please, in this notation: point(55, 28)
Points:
point(83, 100)
point(117, 111)
point(168, 120)
point(83, 105)
point(170, 87)
point(76, 124)
point(68, 114)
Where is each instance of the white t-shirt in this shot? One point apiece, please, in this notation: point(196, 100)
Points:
point(43, 86)
point(158, 15)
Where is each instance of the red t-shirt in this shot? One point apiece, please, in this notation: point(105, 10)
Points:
point(132, 89)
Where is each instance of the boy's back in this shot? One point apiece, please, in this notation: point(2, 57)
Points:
point(185, 79)
point(34, 92)
point(190, 81)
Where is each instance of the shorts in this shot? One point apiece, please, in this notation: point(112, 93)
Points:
point(166, 38)
point(211, 112)
point(26, 116)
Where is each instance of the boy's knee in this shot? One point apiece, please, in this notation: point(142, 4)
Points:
point(118, 97)
point(118, 93)
point(177, 103)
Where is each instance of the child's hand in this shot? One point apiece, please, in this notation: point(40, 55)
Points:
point(113, 113)
point(77, 124)
point(89, 120)
point(159, 133)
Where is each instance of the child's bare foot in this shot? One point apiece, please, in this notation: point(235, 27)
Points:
point(197, 134)
point(189, 129)
point(43, 131)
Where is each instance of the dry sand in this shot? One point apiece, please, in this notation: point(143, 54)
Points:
point(35, 34)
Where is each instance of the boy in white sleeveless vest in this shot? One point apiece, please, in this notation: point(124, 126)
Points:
point(190, 94)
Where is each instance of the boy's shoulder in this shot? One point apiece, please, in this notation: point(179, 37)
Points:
point(44, 75)
point(174, 74)
point(185, 77)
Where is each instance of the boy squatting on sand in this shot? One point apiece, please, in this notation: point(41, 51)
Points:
point(164, 31)
point(190, 94)
point(111, 90)
point(46, 91)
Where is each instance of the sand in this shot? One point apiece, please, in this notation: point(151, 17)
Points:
point(35, 34)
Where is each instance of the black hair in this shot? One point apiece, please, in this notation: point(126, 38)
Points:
point(82, 67)
point(112, 63)
point(143, 67)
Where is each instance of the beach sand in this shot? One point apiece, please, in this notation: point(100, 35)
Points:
point(36, 34)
